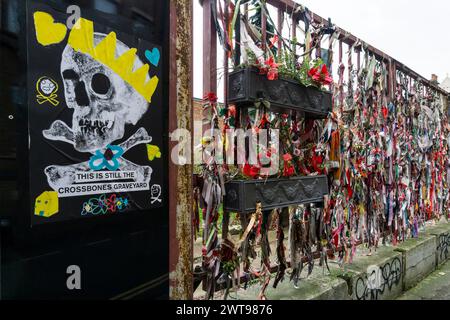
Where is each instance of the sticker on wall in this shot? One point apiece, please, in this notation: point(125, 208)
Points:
point(98, 141)
point(103, 49)
point(153, 152)
point(153, 56)
point(47, 89)
point(48, 32)
point(103, 205)
point(156, 193)
point(47, 204)
point(106, 160)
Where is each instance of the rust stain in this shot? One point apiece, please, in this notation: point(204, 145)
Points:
point(181, 278)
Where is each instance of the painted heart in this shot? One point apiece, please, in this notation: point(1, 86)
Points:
point(47, 31)
point(153, 56)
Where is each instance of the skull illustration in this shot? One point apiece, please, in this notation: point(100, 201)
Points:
point(47, 86)
point(103, 102)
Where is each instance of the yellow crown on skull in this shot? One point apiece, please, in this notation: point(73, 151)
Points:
point(81, 39)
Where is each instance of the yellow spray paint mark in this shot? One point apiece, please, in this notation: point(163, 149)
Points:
point(47, 31)
point(81, 39)
point(153, 152)
point(47, 204)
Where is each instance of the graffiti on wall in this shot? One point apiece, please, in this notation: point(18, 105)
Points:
point(443, 246)
point(105, 204)
point(389, 277)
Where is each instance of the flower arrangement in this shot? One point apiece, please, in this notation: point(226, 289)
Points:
point(268, 67)
point(308, 73)
point(320, 75)
point(299, 155)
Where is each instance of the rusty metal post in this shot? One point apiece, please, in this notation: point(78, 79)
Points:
point(341, 83)
point(180, 177)
point(294, 34)
point(237, 35)
point(209, 55)
point(350, 62)
point(263, 30)
point(226, 54)
point(225, 224)
point(280, 22)
point(358, 59)
point(392, 80)
point(209, 50)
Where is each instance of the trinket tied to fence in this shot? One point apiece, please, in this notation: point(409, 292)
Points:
point(387, 159)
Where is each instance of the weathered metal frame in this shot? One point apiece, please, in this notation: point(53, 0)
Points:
point(349, 39)
point(180, 177)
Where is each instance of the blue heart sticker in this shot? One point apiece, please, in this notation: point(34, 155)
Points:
point(153, 56)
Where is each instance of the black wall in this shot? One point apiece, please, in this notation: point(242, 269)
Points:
point(115, 253)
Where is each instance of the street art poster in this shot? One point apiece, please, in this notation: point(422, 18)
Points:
point(95, 118)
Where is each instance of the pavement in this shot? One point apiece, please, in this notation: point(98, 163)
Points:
point(435, 287)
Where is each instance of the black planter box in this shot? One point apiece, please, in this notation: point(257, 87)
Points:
point(246, 86)
point(242, 196)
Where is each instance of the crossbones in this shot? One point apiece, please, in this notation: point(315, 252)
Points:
point(103, 105)
point(156, 194)
point(59, 176)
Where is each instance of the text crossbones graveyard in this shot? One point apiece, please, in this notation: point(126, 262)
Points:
point(103, 105)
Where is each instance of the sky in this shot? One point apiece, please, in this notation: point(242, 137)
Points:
point(414, 32)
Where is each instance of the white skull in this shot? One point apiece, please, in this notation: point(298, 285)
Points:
point(103, 102)
point(47, 86)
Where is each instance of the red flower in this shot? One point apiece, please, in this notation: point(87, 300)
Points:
point(385, 112)
point(287, 157)
point(232, 111)
point(289, 171)
point(268, 67)
point(264, 121)
point(271, 63)
point(320, 75)
point(317, 161)
point(251, 171)
point(211, 97)
point(312, 72)
point(272, 74)
point(326, 78)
